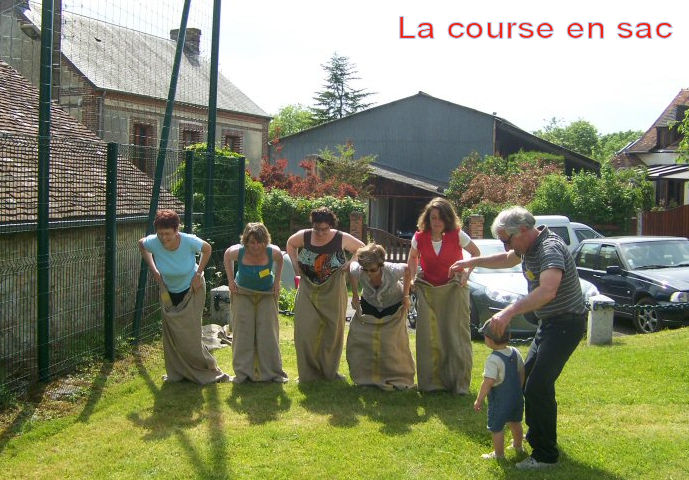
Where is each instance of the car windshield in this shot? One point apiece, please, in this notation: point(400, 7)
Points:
point(658, 254)
point(490, 249)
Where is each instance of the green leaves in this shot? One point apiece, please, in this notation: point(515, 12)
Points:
point(339, 99)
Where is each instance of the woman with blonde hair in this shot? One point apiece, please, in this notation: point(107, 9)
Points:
point(443, 334)
point(378, 344)
point(255, 290)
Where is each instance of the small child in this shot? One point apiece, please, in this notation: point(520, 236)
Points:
point(503, 379)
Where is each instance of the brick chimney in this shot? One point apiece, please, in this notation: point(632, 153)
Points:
point(192, 42)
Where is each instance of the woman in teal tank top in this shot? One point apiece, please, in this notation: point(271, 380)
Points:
point(254, 306)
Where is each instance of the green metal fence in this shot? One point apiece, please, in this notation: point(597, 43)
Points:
point(92, 286)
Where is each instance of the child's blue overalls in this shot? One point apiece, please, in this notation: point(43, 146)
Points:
point(506, 401)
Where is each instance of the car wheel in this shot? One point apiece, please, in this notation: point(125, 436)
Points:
point(474, 325)
point(647, 321)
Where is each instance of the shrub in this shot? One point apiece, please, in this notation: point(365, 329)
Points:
point(278, 208)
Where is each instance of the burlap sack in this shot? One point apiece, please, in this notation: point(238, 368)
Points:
point(185, 355)
point(378, 351)
point(443, 337)
point(319, 319)
point(256, 337)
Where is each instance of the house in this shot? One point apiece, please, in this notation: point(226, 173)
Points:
point(77, 232)
point(418, 141)
point(115, 81)
point(657, 149)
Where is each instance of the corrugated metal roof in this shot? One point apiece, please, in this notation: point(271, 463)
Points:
point(414, 181)
point(680, 172)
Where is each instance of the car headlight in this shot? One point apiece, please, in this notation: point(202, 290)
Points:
point(680, 297)
point(501, 296)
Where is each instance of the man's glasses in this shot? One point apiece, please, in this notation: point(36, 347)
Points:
point(508, 241)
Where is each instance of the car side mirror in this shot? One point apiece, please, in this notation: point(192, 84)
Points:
point(613, 270)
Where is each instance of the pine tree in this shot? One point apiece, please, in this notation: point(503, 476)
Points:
point(339, 99)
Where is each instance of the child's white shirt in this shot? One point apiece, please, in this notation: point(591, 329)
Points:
point(495, 367)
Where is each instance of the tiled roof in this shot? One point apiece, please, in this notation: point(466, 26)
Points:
point(77, 164)
point(124, 60)
point(649, 140)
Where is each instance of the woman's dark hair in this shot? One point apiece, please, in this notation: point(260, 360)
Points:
point(166, 219)
point(445, 210)
point(323, 214)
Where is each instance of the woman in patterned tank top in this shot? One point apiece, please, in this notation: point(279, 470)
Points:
point(318, 256)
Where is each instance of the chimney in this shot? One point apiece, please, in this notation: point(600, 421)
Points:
point(192, 41)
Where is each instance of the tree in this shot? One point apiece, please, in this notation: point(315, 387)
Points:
point(609, 199)
point(343, 168)
point(683, 128)
point(499, 181)
point(339, 99)
point(608, 145)
point(580, 136)
point(289, 120)
point(339, 175)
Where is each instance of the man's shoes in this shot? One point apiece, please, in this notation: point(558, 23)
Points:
point(492, 456)
point(530, 463)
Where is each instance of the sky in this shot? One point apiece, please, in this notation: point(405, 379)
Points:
point(274, 51)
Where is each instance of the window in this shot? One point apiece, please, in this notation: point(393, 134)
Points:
point(190, 137)
point(588, 256)
point(562, 232)
point(234, 143)
point(584, 233)
point(142, 142)
point(609, 257)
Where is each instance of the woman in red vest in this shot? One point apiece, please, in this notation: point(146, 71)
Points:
point(443, 334)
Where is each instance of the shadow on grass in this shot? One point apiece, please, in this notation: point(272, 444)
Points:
point(565, 469)
point(260, 402)
point(336, 398)
point(180, 406)
point(23, 416)
point(396, 411)
point(95, 392)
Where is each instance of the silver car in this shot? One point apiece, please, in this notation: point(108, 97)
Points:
point(491, 290)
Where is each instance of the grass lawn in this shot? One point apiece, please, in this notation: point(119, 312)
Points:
point(623, 413)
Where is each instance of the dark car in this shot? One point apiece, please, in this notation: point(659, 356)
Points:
point(639, 270)
point(491, 290)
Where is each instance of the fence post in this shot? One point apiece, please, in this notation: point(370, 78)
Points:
point(212, 112)
point(188, 190)
point(356, 225)
point(600, 321)
point(160, 163)
point(241, 187)
point(43, 209)
point(110, 251)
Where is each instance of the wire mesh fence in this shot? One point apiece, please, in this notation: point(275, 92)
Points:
point(112, 67)
point(77, 251)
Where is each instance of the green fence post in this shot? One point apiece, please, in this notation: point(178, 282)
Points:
point(241, 188)
point(212, 112)
point(188, 190)
point(160, 163)
point(43, 211)
point(110, 251)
